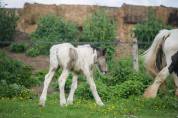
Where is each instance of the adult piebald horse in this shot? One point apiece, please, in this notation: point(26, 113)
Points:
point(161, 60)
point(77, 60)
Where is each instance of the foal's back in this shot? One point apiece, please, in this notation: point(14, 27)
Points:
point(86, 54)
point(60, 54)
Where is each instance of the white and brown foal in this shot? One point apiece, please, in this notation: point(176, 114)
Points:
point(76, 60)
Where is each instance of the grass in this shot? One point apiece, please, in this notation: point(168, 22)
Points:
point(124, 108)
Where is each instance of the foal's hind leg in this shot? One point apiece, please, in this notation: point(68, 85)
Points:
point(72, 89)
point(48, 78)
point(152, 90)
point(62, 81)
point(176, 83)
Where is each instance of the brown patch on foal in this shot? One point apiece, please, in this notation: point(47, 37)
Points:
point(73, 58)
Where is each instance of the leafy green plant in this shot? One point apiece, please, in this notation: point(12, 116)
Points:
point(18, 48)
point(99, 28)
point(52, 29)
point(7, 25)
point(33, 52)
point(146, 31)
point(14, 77)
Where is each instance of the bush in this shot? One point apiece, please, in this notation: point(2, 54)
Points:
point(99, 28)
point(13, 90)
point(146, 31)
point(52, 29)
point(18, 48)
point(15, 77)
point(33, 52)
point(128, 88)
point(7, 25)
point(121, 82)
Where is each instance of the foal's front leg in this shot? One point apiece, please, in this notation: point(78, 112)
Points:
point(62, 80)
point(72, 89)
point(93, 87)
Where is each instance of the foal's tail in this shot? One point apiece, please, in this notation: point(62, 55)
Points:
point(154, 56)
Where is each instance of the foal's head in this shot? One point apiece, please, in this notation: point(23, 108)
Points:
point(101, 60)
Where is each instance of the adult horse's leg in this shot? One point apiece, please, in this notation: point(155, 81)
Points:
point(176, 83)
point(152, 90)
point(73, 88)
point(62, 80)
point(48, 78)
point(92, 85)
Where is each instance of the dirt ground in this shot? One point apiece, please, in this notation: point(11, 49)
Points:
point(37, 63)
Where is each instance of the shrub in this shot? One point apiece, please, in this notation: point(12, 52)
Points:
point(7, 25)
point(128, 88)
point(52, 29)
point(33, 52)
point(146, 31)
point(18, 48)
point(99, 28)
point(13, 90)
point(15, 77)
point(121, 82)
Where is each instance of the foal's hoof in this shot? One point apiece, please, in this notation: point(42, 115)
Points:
point(69, 102)
point(100, 103)
point(149, 93)
point(63, 103)
point(41, 104)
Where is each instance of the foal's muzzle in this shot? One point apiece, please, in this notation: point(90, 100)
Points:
point(104, 72)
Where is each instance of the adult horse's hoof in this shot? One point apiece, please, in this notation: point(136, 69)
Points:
point(150, 93)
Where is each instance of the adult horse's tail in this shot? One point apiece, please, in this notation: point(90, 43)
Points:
point(154, 56)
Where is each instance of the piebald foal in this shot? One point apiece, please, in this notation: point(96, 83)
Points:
point(79, 59)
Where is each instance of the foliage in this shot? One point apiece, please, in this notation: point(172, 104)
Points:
point(18, 48)
point(15, 77)
point(34, 51)
point(121, 82)
point(53, 29)
point(146, 31)
point(7, 25)
point(99, 28)
point(12, 90)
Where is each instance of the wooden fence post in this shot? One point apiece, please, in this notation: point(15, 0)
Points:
point(135, 55)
